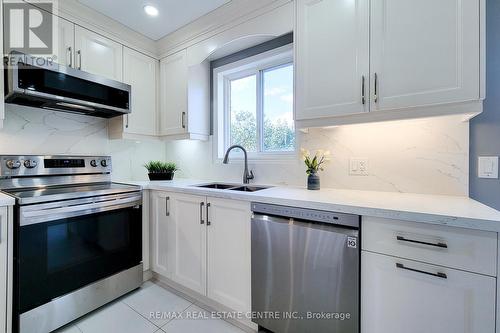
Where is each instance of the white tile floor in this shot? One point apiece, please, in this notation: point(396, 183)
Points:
point(132, 314)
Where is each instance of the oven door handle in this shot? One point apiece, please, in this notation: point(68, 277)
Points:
point(33, 216)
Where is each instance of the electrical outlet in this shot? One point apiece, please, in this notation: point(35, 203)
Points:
point(358, 167)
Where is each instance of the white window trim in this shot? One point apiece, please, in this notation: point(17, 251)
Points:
point(281, 56)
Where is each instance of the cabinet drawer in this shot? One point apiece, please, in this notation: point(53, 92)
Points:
point(404, 296)
point(469, 250)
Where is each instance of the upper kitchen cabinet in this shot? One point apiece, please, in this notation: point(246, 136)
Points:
point(332, 58)
point(184, 98)
point(98, 55)
point(66, 43)
point(372, 60)
point(141, 72)
point(424, 52)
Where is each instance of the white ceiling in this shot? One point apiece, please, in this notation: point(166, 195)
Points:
point(173, 13)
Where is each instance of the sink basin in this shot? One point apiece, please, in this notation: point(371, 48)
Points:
point(217, 186)
point(248, 188)
point(232, 187)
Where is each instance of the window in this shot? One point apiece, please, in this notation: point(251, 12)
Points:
point(254, 105)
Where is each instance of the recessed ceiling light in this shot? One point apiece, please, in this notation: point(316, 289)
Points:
point(151, 10)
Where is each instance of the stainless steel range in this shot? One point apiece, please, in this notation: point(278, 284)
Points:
point(77, 238)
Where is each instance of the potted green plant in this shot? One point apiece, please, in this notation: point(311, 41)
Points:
point(314, 164)
point(158, 170)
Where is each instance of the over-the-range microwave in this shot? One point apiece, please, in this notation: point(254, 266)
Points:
point(38, 82)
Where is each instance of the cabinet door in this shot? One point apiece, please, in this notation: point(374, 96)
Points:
point(396, 300)
point(173, 92)
point(162, 228)
point(186, 240)
point(424, 52)
point(65, 43)
point(229, 251)
point(140, 72)
point(97, 54)
point(332, 58)
point(3, 269)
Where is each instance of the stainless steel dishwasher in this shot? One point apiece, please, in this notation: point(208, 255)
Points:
point(305, 270)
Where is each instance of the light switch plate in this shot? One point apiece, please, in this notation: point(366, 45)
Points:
point(487, 167)
point(359, 167)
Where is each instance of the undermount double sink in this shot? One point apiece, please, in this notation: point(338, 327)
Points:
point(232, 187)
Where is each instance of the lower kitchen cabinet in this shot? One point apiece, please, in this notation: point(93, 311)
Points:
point(187, 238)
point(5, 271)
point(228, 253)
point(179, 239)
point(412, 297)
point(203, 244)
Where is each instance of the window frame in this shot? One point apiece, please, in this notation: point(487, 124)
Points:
point(256, 65)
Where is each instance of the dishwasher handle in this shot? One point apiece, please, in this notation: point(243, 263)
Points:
point(291, 222)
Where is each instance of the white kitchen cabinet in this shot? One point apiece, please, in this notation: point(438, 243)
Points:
point(424, 52)
point(229, 253)
point(332, 58)
point(5, 269)
point(184, 98)
point(161, 228)
point(417, 58)
point(460, 248)
point(66, 42)
point(98, 55)
point(187, 238)
point(173, 94)
point(179, 239)
point(141, 73)
point(408, 299)
point(203, 244)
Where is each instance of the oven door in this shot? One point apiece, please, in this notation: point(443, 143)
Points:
point(64, 246)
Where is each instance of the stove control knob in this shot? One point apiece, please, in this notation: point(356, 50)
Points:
point(13, 164)
point(30, 164)
point(104, 163)
point(93, 163)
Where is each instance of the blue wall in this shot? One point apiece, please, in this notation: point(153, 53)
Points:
point(485, 128)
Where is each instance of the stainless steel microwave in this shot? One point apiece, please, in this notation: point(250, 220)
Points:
point(37, 82)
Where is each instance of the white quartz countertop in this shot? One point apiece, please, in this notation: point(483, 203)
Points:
point(6, 200)
point(436, 209)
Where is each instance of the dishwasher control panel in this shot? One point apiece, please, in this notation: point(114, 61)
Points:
point(307, 214)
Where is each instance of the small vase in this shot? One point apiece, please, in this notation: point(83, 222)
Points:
point(313, 182)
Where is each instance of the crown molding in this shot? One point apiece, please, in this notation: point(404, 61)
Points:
point(228, 16)
point(90, 19)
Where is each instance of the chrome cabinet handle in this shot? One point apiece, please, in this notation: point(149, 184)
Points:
point(183, 119)
point(79, 59)
point(439, 244)
point(208, 218)
point(202, 204)
point(376, 88)
point(126, 124)
point(70, 53)
point(438, 274)
point(363, 97)
point(167, 211)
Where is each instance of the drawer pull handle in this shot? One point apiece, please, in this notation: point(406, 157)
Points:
point(438, 274)
point(440, 245)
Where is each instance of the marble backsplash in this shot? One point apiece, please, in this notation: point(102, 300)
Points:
point(412, 156)
point(415, 156)
point(37, 131)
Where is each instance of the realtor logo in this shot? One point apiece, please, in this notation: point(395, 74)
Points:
point(28, 27)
